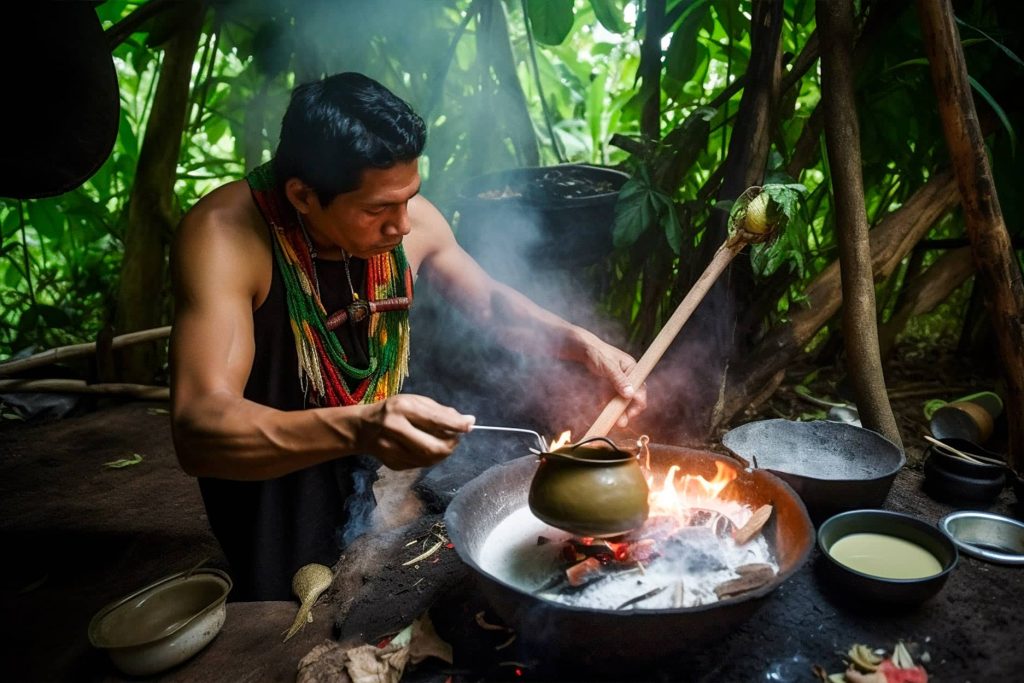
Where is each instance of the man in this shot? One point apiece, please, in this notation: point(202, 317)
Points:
point(283, 378)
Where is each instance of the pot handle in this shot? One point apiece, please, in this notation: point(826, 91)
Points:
point(596, 438)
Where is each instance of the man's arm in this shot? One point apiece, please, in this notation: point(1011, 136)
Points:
point(217, 262)
point(518, 323)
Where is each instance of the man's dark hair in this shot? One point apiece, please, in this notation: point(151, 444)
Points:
point(337, 127)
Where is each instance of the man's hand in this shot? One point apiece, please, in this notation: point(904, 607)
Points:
point(407, 431)
point(604, 360)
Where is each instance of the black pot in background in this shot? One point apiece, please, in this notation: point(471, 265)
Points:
point(953, 480)
point(536, 228)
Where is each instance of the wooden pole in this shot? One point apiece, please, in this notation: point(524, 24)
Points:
point(997, 267)
point(77, 386)
point(613, 411)
point(63, 353)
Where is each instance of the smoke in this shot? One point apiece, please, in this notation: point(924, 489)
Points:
point(359, 506)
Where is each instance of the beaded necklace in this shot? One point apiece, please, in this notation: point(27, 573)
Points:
point(323, 363)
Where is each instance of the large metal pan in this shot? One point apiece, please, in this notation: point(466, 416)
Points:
point(832, 466)
point(604, 638)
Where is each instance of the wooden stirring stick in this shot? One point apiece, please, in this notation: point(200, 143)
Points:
point(732, 246)
point(970, 457)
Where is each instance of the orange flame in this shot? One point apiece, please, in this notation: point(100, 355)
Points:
point(674, 497)
point(562, 440)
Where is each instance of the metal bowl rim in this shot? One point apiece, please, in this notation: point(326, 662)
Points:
point(94, 623)
point(902, 460)
point(976, 551)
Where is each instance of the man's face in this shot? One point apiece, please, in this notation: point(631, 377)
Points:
point(374, 218)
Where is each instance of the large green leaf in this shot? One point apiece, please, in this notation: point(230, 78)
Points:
point(46, 219)
point(551, 20)
point(681, 56)
point(610, 14)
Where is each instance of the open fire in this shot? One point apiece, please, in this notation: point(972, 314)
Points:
point(699, 545)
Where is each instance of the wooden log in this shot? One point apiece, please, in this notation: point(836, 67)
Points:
point(63, 353)
point(925, 292)
point(998, 270)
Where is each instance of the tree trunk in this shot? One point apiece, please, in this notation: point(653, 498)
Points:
point(744, 166)
point(152, 207)
point(842, 139)
point(924, 293)
point(891, 240)
point(650, 70)
point(998, 270)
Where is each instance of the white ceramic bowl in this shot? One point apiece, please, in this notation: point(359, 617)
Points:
point(164, 623)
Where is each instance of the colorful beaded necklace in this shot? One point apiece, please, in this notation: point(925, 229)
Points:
point(323, 363)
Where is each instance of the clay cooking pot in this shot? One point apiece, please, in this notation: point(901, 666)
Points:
point(590, 489)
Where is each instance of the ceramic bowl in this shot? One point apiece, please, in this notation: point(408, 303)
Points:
point(858, 585)
point(164, 623)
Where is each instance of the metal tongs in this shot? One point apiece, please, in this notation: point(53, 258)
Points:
point(540, 439)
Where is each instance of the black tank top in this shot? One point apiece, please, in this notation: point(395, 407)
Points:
point(268, 529)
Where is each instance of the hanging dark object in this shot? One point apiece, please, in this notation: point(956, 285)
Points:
point(62, 106)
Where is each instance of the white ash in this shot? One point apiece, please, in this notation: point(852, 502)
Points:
point(694, 557)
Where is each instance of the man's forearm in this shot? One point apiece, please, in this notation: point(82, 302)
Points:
point(229, 437)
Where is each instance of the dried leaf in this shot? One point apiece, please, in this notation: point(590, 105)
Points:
point(901, 657)
point(433, 549)
point(485, 625)
point(863, 657)
point(124, 462)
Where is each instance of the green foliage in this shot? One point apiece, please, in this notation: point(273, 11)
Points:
point(642, 207)
point(468, 67)
point(551, 20)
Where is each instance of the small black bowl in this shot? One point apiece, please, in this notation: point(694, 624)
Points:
point(954, 480)
point(876, 589)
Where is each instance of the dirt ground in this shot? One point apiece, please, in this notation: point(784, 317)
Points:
point(78, 534)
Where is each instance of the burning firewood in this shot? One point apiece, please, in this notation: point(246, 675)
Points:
point(580, 573)
point(753, 525)
point(751, 577)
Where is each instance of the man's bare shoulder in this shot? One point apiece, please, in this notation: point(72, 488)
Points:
point(430, 232)
point(224, 233)
point(225, 213)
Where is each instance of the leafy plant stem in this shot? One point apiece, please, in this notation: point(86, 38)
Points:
point(24, 250)
point(446, 63)
point(540, 89)
point(211, 47)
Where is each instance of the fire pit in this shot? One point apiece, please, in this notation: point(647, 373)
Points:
point(612, 618)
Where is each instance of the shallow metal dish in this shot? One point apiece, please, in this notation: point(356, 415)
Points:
point(164, 623)
point(987, 536)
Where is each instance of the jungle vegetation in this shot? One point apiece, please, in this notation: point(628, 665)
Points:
point(696, 99)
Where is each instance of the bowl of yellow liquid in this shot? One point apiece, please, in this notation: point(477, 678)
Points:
point(884, 556)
